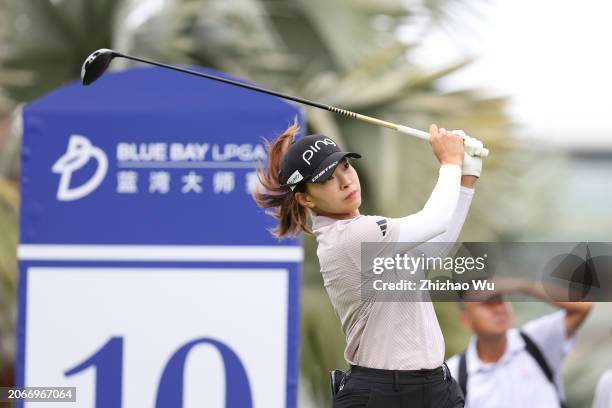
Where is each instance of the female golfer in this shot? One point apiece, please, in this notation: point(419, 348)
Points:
point(395, 349)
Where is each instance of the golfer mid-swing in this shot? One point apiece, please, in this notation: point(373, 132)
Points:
point(395, 349)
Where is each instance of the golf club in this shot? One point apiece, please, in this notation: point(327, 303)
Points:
point(96, 64)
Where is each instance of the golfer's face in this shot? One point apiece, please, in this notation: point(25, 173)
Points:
point(340, 194)
point(493, 317)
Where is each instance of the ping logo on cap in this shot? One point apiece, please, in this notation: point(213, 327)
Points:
point(312, 149)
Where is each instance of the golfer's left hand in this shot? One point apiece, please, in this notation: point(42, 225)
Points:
point(472, 164)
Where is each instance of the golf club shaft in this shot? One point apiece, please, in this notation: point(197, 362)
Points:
point(475, 150)
point(374, 121)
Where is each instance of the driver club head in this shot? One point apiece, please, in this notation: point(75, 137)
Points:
point(96, 64)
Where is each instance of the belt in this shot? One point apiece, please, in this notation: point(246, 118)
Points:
point(401, 377)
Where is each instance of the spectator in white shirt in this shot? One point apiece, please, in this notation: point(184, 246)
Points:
point(510, 367)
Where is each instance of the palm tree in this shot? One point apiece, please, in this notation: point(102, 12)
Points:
point(48, 40)
point(343, 52)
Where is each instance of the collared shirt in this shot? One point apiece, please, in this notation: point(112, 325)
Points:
point(516, 380)
point(385, 335)
point(392, 335)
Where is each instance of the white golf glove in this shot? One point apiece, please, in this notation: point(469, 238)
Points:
point(472, 163)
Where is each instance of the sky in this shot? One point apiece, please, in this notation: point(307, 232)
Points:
point(553, 58)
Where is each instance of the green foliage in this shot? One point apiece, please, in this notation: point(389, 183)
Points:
point(9, 205)
point(45, 42)
point(321, 342)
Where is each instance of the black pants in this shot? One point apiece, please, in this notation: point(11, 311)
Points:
point(374, 388)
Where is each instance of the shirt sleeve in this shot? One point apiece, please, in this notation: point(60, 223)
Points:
point(436, 215)
point(441, 245)
point(548, 332)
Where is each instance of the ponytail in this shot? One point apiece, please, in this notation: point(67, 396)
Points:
point(291, 216)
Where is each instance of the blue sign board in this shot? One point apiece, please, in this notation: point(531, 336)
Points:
point(142, 254)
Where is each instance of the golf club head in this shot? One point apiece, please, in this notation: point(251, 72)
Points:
point(96, 64)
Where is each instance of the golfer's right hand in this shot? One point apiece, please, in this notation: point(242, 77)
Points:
point(447, 146)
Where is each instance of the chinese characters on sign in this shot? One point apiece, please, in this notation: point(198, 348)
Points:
point(159, 182)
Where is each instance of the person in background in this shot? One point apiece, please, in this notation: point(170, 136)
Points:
point(515, 367)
